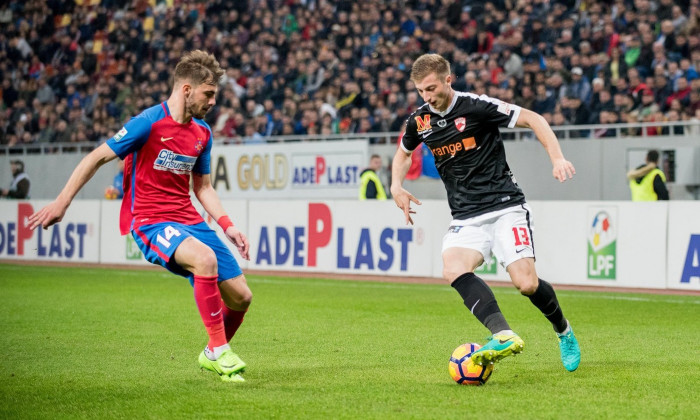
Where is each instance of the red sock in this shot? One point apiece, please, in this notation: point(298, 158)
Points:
point(208, 298)
point(232, 320)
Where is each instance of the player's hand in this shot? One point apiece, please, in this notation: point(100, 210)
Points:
point(239, 239)
point(47, 216)
point(563, 170)
point(403, 200)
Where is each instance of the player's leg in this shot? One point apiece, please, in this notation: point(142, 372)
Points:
point(233, 290)
point(237, 298)
point(481, 302)
point(199, 259)
point(458, 269)
point(515, 247)
point(233, 286)
point(174, 246)
point(542, 295)
point(464, 247)
point(522, 273)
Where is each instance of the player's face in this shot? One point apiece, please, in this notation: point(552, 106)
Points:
point(200, 100)
point(436, 91)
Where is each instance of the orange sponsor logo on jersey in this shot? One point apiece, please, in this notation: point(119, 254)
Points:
point(423, 123)
point(453, 148)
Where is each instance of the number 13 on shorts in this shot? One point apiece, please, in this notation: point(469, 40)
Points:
point(522, 236)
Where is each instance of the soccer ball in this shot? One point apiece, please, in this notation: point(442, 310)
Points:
point(464, 371)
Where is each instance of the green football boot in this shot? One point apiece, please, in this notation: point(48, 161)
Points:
point(500, 346)
point(226, 366)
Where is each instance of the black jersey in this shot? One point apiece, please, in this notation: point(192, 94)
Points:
point(469, 154)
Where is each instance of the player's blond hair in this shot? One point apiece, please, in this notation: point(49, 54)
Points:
point(198, 67)
point(429, 63)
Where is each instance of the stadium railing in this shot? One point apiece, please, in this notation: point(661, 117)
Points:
point(564, 132)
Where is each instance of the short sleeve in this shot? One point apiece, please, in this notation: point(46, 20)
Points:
point(131, 137)
point(495, 111)
point(410, 140)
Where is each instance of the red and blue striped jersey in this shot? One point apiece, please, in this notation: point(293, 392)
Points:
point(159, 156)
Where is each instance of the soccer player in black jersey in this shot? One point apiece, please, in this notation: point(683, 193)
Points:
point(489, 211)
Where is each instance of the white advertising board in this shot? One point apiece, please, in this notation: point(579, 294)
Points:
point(598, 243)
point(684, 245)
point(601, 243)
point(340, 236)
point(291, 170)
point(75, 238)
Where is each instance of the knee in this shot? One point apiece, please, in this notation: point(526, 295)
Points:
point(236, 294)
point(239, 302)
point(528, 286)
point(245, 299)
point(450, 275)
point(206, 263)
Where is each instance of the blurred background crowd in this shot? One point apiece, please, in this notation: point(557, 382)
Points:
point(76, 70)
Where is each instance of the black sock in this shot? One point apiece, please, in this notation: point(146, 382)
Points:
point(479, 299)
point(546, 301)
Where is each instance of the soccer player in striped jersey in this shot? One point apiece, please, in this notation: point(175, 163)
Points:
point(490, 215)
point(164, 148)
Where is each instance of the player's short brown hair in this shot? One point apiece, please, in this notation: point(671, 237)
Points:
point(429, 63)
point(198, 67)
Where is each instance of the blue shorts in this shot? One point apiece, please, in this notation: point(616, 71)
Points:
point(159, 241)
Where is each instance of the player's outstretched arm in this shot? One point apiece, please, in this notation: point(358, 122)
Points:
point(402, 198)
point(561, 168)
point(206, 194)
point(54, 211)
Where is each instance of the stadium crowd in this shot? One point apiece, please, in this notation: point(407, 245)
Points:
point(76, 70)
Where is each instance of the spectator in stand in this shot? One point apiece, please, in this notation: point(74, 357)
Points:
point(677, 129)
point(681, 93)
point(605, 103)
point(544, 101)
point(579, 85)
point(577, 113)
point(597, 86)
point(663, 90)
point(648, 106)
point(606, 117)
point(113, 57)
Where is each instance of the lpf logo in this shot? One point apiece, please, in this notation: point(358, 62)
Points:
point(602, 243)
point(132, 249)
point(488, 267)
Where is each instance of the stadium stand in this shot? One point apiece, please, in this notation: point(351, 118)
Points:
point(73, 71)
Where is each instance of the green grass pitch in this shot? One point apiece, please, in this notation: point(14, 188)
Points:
point(106, 343)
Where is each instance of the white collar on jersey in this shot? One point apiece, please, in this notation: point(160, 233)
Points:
point(449, 108)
